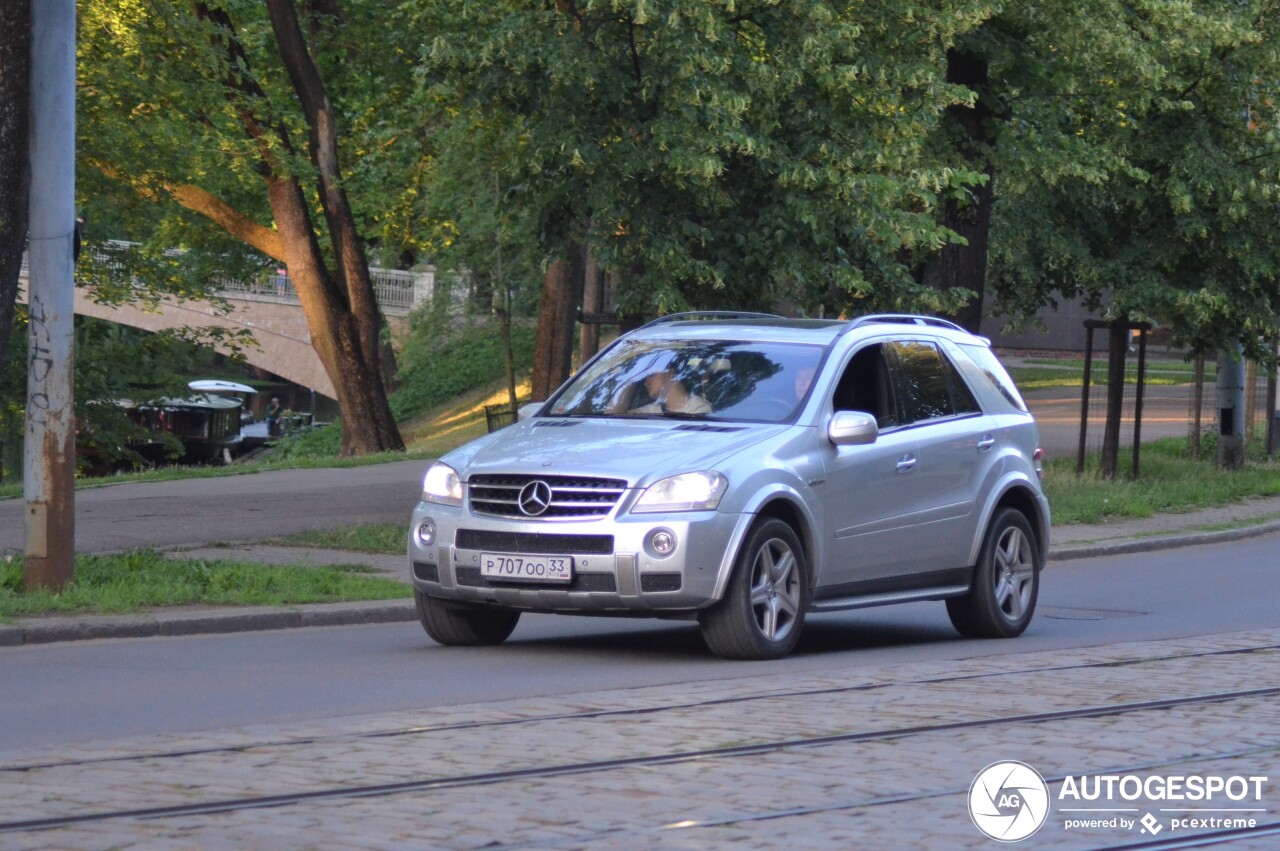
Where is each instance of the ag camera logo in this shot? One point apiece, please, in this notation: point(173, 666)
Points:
point(1008, 801)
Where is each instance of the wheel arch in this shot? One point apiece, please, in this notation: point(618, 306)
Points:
point(1019, 495)
point(782, 504)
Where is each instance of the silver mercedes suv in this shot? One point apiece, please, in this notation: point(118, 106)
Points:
point(746, 471)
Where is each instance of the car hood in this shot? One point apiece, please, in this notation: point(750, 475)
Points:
point(639, 450)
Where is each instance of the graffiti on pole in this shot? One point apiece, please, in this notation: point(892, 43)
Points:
point(39, 365)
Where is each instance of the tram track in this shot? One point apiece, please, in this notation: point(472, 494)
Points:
point(594, 714)
point(1210, 837)
point(226, 805)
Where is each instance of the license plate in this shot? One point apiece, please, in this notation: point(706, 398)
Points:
point(526, 568)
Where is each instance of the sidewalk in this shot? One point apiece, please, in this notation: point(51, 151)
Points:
point(1260, 516)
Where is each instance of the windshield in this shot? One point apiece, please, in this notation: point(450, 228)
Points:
point(694, 379)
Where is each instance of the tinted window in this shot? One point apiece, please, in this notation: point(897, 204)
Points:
point(961, 396)
point(995, 373)
point(866, 386)
point(921, 379)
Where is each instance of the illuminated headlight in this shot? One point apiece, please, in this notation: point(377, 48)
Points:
point(442, 484)
point(685, 492)
point(426, 532)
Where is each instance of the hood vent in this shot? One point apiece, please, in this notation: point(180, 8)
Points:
point(715, 428)
point(555, 423)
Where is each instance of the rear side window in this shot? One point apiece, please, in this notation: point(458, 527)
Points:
point(927, 383)
point(995, 373)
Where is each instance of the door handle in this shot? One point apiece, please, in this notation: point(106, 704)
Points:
point(906, 462)
point(986, 442)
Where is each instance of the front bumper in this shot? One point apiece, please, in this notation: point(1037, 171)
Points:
point(616, 569)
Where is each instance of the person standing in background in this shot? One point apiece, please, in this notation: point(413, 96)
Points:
point(273, 416)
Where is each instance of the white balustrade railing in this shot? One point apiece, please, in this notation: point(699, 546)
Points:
point(397, 291)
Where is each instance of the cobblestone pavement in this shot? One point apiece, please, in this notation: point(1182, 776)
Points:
point(876, 757)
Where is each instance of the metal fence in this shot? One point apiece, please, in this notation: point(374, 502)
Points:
point(1180, 399)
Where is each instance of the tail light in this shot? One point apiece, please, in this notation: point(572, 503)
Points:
point(1037, 459)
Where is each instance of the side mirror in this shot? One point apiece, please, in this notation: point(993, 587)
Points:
point(852, 428)
point(527, 410)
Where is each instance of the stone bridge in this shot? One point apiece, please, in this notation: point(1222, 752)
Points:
point(270, 311)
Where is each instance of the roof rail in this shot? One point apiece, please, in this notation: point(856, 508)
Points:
point(709, 314)
point(903, 319)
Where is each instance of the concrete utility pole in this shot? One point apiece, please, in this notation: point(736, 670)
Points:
point(1231, 408)
point(50, 447)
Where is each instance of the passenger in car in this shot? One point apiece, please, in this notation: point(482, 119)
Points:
point(670, 396)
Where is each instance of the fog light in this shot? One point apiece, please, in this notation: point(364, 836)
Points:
point(426, 533)
point(663, 542)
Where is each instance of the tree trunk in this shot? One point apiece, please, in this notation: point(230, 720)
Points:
point(15, 104)
point(965, 266)
point(592, 303)
point(378, 431)
point(553, 346)
point(1117, 349)
point(342, 313)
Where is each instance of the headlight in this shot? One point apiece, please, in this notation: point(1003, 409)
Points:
point(442, 484)
point(685, 492)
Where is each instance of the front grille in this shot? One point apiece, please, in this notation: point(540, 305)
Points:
point(426, 572)
point(470, 576)
point(533, 543)
point(572, 497)
point(650, 582)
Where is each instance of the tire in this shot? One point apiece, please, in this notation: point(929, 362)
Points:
point(763, 610)
point(463, 624)
point(1006, 581)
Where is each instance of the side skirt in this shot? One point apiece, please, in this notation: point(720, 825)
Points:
point(937, 585)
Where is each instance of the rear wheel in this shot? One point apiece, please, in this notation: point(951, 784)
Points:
point(1006, 581)
point(762, 612)
point(463, 624)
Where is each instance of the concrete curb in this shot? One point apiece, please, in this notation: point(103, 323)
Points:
point(208, 621)
point(47, 630)
point(1161, 542)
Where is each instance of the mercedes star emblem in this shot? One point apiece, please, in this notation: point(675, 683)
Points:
point(535, 497)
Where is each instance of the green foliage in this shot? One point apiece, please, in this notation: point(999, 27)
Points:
point(709, 153)
point(156, 114)
point(323, 442)
point(441, 362)
point(142, 579)
point(1171, 481)
point(382, 538)
point(1139, 163)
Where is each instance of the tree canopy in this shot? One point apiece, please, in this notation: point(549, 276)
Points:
point(812, 157)
point(713, 153)
point(1140, 165)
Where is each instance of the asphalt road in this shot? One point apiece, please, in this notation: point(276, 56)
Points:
point(82, 691)
point(235, 508)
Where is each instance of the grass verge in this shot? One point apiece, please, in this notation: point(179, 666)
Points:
point(379, 538)
point(145, 579)
point(1170, 481)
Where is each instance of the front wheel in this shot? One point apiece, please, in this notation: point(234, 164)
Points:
point(463, 624)
point(1006, 581)
point(763, 610)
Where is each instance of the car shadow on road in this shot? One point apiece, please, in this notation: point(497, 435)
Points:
point(821, 635)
